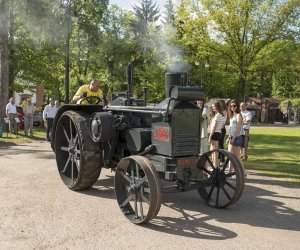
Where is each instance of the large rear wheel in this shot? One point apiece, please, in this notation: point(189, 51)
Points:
point(78, 158)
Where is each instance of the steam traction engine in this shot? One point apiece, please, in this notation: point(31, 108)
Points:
point(147, 147)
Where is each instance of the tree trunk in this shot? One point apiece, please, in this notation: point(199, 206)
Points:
point(4, 56)
point(11, 44)
point(240, 94)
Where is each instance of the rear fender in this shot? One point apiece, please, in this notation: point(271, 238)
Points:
point(74, 107)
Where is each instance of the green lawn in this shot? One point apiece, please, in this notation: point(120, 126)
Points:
point(39, 133)
point(275, 152)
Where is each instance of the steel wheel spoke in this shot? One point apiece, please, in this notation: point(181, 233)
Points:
point(136, 207)
point(127, 200)
point(71, 133)
point(75, 139)
point(142, 181)
point(64, 149)
point(230, 185)
point(66, 165)
point(66, 135)
point(225, 164)
point(206, 170)
point(218, 196)
point(230, 174)
point(125, 176)
point(141, 209)
point(210, 192)
point(132, 173)
point(225, 192)
point(209, 161)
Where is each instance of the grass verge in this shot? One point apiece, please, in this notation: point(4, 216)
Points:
point(275, 152)
point(39, 133)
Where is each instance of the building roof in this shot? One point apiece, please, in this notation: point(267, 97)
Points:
point(257, 101)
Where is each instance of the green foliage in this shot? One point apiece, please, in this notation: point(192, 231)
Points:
point(34, 51)
point(234, 32)
point(232, 48)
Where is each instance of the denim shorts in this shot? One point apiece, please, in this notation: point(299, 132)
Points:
point(238, 141)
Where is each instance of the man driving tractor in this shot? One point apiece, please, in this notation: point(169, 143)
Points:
point(92, 89)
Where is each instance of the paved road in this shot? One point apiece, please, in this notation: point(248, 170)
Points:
point(39, 212)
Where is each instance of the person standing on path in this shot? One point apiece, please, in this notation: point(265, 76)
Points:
point(247, 117)
point(203, 124)
point(28, 111)
point(217, 123)
point(11, 113)
point(234, 140)
point(48, 117)
point(57, 104)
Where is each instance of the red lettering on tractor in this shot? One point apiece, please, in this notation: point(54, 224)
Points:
point(192, 162)
point(161, 134)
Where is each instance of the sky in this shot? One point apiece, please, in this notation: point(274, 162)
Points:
point(125, 4)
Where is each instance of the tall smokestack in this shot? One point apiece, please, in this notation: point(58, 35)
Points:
point(175, 79)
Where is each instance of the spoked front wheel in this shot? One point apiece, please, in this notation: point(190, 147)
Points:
point(226, 186)
point(137, 189)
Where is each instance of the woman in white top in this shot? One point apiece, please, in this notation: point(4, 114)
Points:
point(217, 123)
point(234, 140)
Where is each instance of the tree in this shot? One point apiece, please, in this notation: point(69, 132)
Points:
point(246, 27)
point(146, 13)
point(35, 41)
point(237, 31)
point(169, 13)
point(4, 58)
point(115, 49)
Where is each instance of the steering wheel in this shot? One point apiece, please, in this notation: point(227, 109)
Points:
point(91, 100)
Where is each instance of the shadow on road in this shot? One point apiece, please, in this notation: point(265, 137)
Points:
point(258, 207)
point(103, 188)
point(39, 151)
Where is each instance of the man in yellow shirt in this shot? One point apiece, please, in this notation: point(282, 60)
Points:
point(92, 89)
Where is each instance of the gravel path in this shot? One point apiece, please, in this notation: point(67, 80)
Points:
point(39, 212)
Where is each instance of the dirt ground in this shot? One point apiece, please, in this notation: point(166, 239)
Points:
point(39, 212)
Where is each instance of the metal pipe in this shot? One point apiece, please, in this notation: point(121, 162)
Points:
point(129, 78)
point(145, 90)
point(141, 111)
